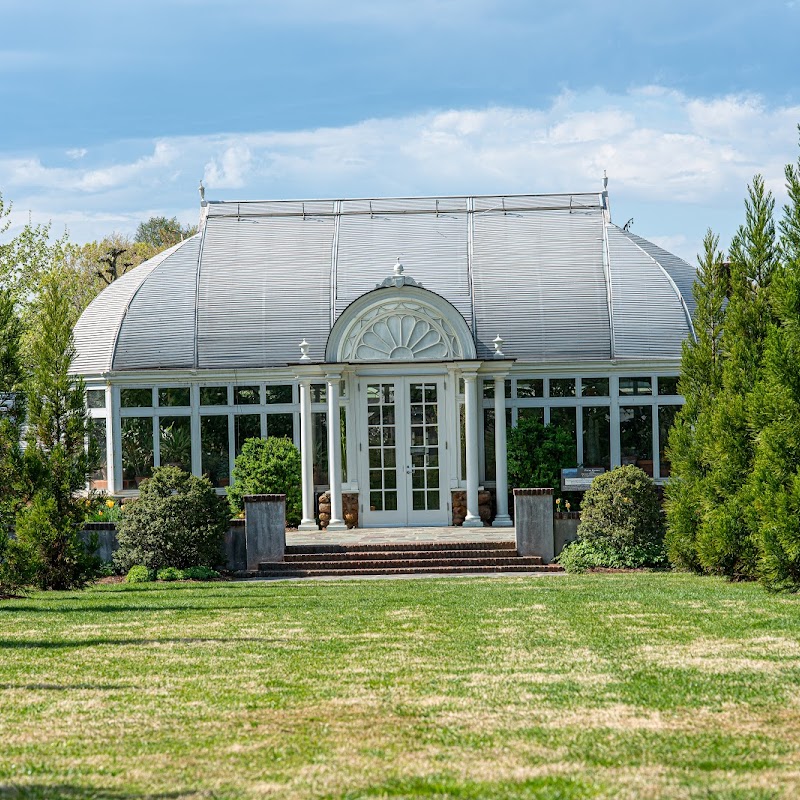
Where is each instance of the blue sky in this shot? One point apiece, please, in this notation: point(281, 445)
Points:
point(110, 112)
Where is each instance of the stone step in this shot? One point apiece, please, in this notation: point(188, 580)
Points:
point(401, 563)
point(382, 547)
point(381, 555)
point(408, 570)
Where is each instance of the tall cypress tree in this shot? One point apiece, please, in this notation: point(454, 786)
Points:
point(775, 414)
point(700, 384)
point(725, 542)
point(56, 457)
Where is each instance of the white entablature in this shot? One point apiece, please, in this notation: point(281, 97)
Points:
point(400, 321)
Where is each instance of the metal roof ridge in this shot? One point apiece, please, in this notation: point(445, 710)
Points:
point(406, 197)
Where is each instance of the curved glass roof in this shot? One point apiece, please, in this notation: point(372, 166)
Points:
point(548, 273)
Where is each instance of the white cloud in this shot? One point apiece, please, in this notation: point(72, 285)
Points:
point(676, 163)
point(77, 152)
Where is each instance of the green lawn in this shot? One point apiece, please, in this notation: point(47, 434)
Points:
point(613, 686)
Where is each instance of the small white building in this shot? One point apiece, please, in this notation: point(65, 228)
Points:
point(385, 337)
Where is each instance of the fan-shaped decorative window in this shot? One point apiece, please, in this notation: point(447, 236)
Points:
point(402, 324)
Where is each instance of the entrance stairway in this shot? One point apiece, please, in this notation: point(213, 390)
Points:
point(417, 558)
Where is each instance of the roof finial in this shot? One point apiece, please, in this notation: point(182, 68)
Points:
point(498, 347)
point(304, 345)
point(605, 180)
point(398, 267)
point(202, 190)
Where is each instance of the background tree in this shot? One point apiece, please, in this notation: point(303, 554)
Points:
point(725, 542)
point(161, 233)
point(775, 414)
point(692, 432)
point(56, 460)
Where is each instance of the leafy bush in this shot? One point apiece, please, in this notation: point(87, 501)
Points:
point(268, 466)
point(169, 574)
point(139, 574)
point(178, 520)
point(199, 574)
point(622, 524)
point(537, 453)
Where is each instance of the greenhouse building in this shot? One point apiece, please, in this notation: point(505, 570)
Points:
point(386, 338)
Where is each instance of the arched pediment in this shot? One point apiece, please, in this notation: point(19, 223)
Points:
point(400, 323)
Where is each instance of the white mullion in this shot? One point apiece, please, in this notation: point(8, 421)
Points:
point(194, 428)
point(156, 440)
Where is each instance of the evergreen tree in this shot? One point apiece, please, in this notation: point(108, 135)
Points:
point(775, 413)
point(725, 542)
point(56, 459)
point(700, 384)
point(12, 412)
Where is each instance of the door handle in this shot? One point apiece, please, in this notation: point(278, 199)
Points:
point(410, 470)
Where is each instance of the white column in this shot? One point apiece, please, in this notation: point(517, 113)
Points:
point(502, 519)
point(308, 523)
point(334, 455)
point(112, 438)
point(473, 518)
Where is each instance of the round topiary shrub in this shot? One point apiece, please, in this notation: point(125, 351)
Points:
point(178, 520)
point(268, 466)
point(139, 574)
point(621, 525)
point(169, 574)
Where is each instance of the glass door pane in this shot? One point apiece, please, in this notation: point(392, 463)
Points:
point(424, 452)
point(382, 446)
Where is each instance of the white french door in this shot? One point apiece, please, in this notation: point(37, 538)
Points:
point(403, 452)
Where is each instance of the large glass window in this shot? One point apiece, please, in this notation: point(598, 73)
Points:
point(213, 395)
point(597, 437)
point(636, 436)
point(96, 398)
point(281, 426)
point(530, 387)
point(175, 442)
point(668, 385)
point(136, 398)
point(319, 392)
point(319, 427)
point(215, 449)
point(565, 418)
point(634, 387)
point(594, 387)
point(666, 418)
point(278, 394)
point(246, 395)
point(174, 396)
point(99, 477)
point(137, 450)
point(245, 426)
point(531, 413)
point(562, 387)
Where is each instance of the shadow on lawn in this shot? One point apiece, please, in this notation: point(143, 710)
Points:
point(47, 791)
point(25, 644)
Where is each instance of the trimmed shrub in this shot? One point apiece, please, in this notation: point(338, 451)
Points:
point(268, 466)
point(169, 574)
point(199, 574)
point(622, 524)
point(139, 574)
point(178, 520)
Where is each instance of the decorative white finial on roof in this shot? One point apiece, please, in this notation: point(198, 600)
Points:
point(397, 279)
point(605, 180)
point(202, 190)
point(498, 347)
point(304, 345)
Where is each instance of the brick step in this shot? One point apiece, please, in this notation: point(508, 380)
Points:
point(401, 563)
point(372, 555)
point(409, 570)
point(384, 547)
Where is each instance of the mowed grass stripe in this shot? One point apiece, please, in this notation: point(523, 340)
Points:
point(630, 685)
